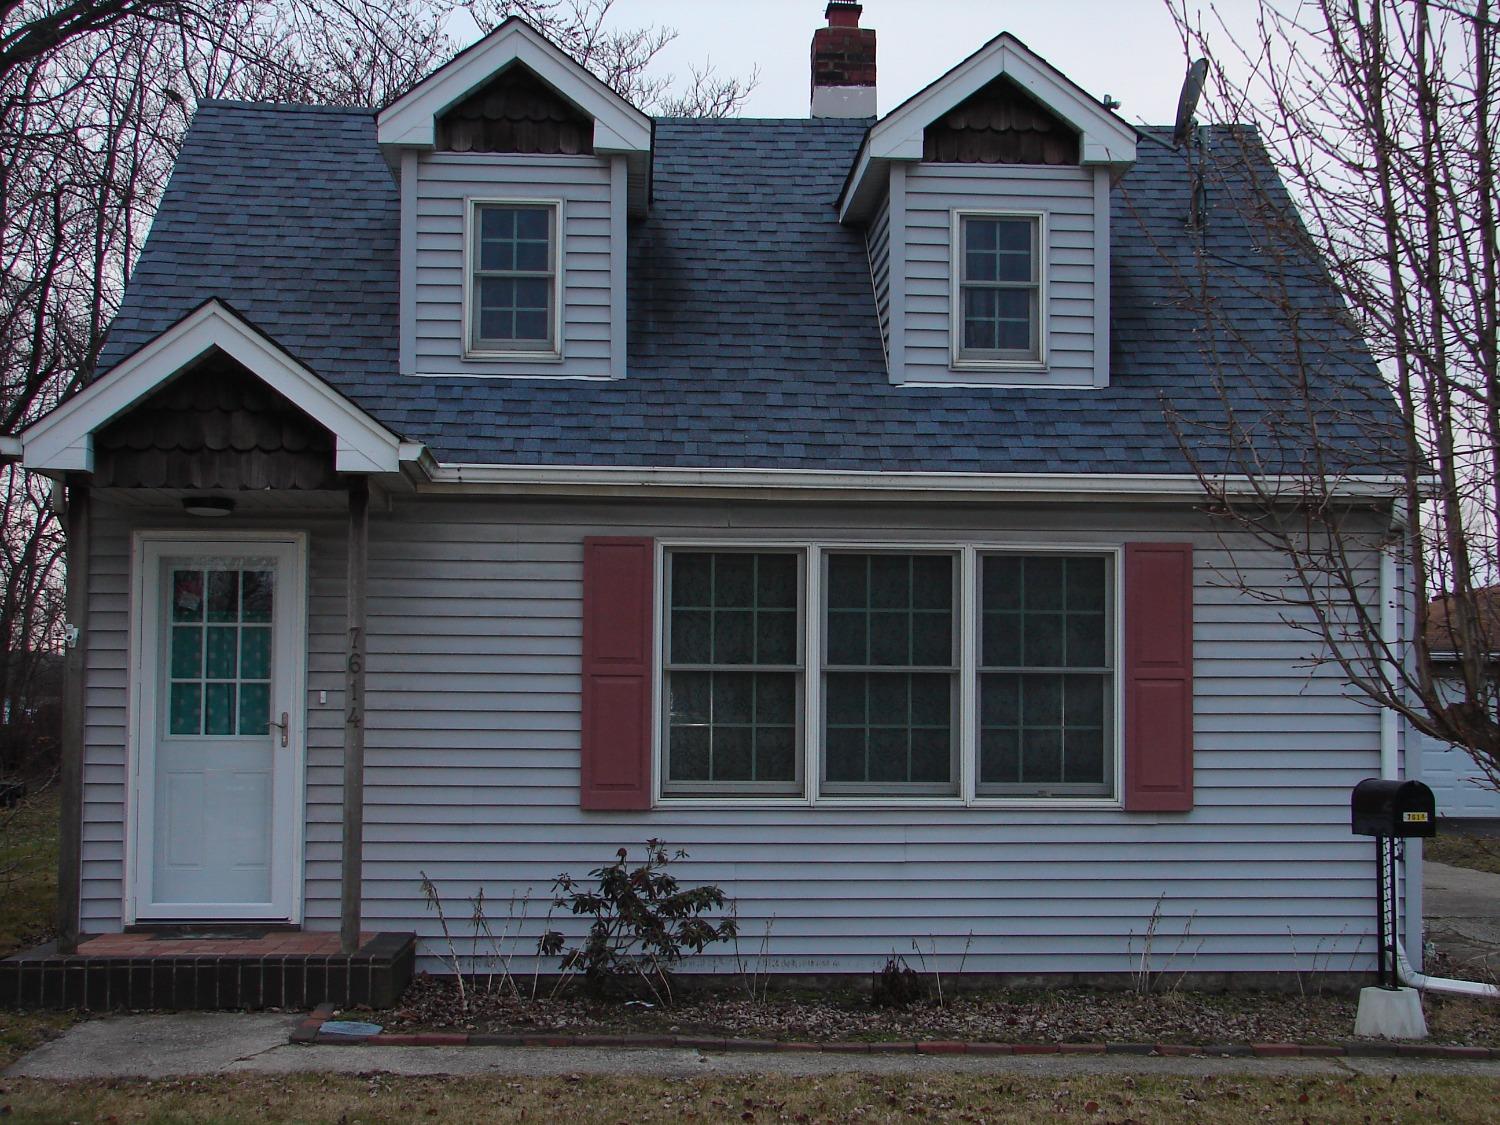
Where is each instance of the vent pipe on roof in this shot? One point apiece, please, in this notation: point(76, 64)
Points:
point(843, 64)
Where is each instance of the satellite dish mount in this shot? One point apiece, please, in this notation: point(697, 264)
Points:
point(1185, 133)
point(1187, 103)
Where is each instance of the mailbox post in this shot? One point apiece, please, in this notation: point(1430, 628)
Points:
point(1390, 811)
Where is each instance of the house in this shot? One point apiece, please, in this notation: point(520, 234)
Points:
point(478, 486)
point(1458, 784)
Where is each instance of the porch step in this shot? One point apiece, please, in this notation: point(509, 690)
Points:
point(298, 970)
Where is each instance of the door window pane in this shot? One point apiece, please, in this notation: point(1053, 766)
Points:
point(255, 654)
point(186, 708)
point(1046, 679)
point(223, 644)
point(187, 595)
point(223, 595)
point(255, 595)
point(218, 708)
point(255, 708)
point(187, 652)
point(732, 672)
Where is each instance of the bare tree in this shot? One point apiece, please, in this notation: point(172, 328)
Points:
point(31, 31)
point(623, 57)
point(95, 99)
point(1381, 117)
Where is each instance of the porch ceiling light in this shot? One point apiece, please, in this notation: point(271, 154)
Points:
point(208, 505)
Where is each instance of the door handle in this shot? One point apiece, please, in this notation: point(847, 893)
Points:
point(281, 726)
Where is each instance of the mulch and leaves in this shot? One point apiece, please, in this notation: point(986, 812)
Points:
point(376, 1099)
point(1064, 1015)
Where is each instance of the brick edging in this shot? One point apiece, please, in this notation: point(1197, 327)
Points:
point(309, 1031)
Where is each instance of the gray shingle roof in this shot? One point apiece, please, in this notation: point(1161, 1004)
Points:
point(752, 332)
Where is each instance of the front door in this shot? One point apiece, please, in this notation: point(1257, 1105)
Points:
point(219, 702)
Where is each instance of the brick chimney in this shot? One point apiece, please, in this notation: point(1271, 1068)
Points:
point(843, 64)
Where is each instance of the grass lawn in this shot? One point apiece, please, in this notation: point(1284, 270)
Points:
point(28, 888)
point(373, 1099)
point(1459, 849)
point(28, 871)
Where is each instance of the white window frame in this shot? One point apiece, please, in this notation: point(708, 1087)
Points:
point(955, 673)
point(958, 361)
point(799, 671)
point(1112, 717)
point(554, 354)
point(810, 722)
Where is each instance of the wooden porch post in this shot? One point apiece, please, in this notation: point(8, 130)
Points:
point(354, 718)
point(70, 773)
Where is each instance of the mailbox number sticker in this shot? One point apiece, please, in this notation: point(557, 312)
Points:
point(1414, 818)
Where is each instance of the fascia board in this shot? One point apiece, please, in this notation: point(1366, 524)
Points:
point(1082, 487)
point(411, 119)
point(63, 440)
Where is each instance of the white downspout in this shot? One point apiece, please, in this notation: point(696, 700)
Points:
point(1390, 769)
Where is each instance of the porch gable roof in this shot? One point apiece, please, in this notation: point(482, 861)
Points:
point(63, 440)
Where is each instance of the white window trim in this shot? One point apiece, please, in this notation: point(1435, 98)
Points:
point(968, 552)
point(956, 359)
point(472, 203)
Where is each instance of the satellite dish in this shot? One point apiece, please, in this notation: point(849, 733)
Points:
point(1187, 101)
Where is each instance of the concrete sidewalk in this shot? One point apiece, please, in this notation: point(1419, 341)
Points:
point(1462, 910)
point(160, 1046)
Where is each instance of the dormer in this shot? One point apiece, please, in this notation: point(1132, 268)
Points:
point(519, 172)
point(985, 201)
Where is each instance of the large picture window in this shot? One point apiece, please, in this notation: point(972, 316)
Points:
point(733, 671)
point(513, 277)
point(999, 316)
point(867, 673)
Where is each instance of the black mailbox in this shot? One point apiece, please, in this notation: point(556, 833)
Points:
point(1393, 808)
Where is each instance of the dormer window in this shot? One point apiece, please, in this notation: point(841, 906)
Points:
point(513, 290)
point(518, 171)
point(985, 199)
point(999, 306)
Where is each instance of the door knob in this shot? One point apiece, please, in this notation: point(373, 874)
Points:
point(281, 726)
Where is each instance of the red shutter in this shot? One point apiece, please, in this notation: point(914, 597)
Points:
point(1158, 677)
point(617, 596)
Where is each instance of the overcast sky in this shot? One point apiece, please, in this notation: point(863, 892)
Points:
point(1128, 49)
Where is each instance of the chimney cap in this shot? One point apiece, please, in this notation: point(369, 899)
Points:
point(843, 13)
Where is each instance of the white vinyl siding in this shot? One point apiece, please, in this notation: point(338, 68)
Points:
point(1075, 250)
point(589, 262)
point(473, 761)
point(1455, 779)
